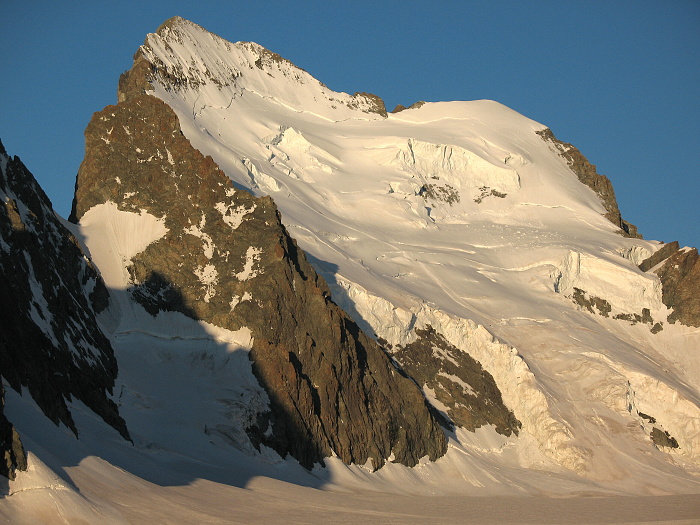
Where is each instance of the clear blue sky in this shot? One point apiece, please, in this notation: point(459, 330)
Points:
point(618, 79)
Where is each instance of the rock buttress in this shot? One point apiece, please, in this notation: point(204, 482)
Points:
point(680, 285)
point(680, 281)
point(459, 383)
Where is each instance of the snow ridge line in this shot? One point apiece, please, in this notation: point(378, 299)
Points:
point(42, 487)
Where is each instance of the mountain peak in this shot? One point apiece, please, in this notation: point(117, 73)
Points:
point(173, 22)
point(185, 56)
point(448, 281)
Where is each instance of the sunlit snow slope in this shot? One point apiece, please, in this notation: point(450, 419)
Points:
point(460, 216)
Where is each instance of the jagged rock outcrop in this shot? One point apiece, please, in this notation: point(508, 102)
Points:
point(660, 255)
point(588, 175)
point(400, 107)
point(332, 388)
point(598, 305)
point(662, 438)
point(467, 392)
point(680, 281)
point(14, 457)
point(50, 342)
point(371, 102)
point(680, 285)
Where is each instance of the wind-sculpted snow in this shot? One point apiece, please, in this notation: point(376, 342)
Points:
point(187, 58)
point(462, 210)
point(457, 167)
point(598, 276)
point(657, 405)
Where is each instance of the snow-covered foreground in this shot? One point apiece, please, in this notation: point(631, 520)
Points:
point(194, 478)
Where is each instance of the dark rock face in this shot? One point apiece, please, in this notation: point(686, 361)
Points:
point(662, 438)
point(13, 456)
point(603, 307)
point(374, 103)
point(447, 194)
point(680, 282)
point(228, 260)
point(581, 298)
point(486, 192)
point(660, 255)
point(458, 381)
point(587, 174)
point(50, 342)
point(400, 107)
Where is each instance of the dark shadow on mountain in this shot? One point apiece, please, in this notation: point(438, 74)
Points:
point(282, 429)
point(14, 457)
point(157, 295)
point(50, 343)
point(329, 271)
point(212, 456)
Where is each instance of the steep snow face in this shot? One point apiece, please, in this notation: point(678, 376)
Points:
point(602, 277)
point(115, 236)
point(459, 216)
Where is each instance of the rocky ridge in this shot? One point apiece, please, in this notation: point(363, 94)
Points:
point(50, 342)
point(186, 69)
point(468, 393)
point(332, 389)
point(679, 271)
point(588, 175)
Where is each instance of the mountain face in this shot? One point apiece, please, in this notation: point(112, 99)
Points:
point(50, 342)
point(462, 220)
point(331, 388)
point(446, 282)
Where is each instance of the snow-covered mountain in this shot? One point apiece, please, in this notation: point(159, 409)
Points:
point(445, 293)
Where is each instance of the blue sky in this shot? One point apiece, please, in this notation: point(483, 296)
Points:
point(618, 79)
